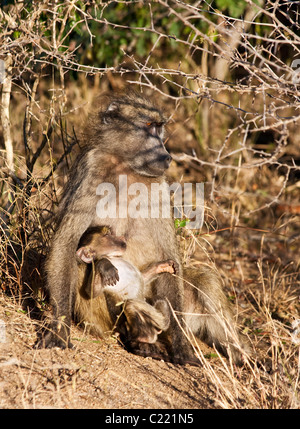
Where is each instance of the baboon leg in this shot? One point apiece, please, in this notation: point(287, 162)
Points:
point(62, 276)
point(152, 272)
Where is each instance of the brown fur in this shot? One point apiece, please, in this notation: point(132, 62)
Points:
point(120, 141)
point(209, 314)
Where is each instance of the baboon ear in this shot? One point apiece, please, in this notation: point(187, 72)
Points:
point(86, 254)
point(113, 107)
point(112, 110)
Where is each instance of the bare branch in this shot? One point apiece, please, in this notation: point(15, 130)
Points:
point(5, 116)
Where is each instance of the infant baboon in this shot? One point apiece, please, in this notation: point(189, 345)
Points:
point(124, 138)
point(207, 311)
point(116, 280)
point(103, 250)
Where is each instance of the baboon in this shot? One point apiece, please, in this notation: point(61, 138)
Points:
point(124, 138)
point(207, 311)
point(114, 280)
point(109, 271)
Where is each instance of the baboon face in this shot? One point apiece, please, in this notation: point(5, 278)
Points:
point(139, 125)
point(98, 242)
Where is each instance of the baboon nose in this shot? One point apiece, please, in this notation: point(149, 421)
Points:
point(167, 160)
point(123, 244)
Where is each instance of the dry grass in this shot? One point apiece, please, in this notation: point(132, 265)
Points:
point(101, 374)
point(264, 291)
point(233, 102)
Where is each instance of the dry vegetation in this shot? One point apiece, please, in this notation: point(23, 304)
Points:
point(226, 75)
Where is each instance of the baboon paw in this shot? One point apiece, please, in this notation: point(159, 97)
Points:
point(110, 277)
point(155, 351)
point(169, 266)
point(159, 351)
point(185, 360)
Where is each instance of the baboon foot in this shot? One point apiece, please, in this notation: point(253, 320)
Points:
point(110, 277)
point(144, 322)
point(160, 351)
point(168, 266)
point(155, 351)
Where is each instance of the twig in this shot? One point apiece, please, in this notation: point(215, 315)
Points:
point(5, 117)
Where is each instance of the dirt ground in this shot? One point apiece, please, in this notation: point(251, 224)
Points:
point(96, 374)
point(261, 278)
point(100, 374)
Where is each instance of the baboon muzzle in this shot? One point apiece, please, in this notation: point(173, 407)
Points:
point(166, 160)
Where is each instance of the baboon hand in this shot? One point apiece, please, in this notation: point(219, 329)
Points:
point(111, 277)
point(109, 273)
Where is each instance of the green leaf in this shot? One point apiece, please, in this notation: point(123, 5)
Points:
point(235, 7)
point(181, 223)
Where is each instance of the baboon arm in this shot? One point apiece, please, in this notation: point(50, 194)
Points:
point(101, 274)
point(109, 273)
point(61, 280)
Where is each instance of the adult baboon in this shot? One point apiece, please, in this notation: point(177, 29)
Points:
point(124, 139)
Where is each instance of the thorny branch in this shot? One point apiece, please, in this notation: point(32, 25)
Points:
point(231, 63)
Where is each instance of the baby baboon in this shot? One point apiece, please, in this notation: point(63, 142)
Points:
point(123, 139)
point(115, 280)
point(207, 311)
point(109, 271)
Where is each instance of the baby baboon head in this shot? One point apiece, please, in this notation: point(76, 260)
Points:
point(98, 242)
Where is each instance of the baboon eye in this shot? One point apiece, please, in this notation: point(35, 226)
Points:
point(155, 124)
point(155, 128)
